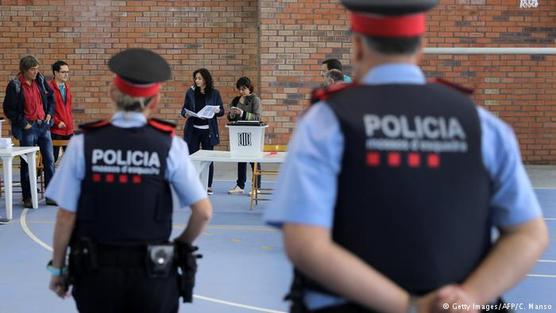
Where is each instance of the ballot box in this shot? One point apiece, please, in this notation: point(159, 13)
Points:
point(246, 138)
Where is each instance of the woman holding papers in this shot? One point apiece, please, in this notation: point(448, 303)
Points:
point(245, 107)
point(201, 107)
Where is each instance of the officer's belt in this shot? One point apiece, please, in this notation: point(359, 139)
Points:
point(121, 256)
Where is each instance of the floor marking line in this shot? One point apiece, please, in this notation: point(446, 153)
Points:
point(541, 275)
point(213, 227)
point(546, 261)
point(248, 307)
point(550, 218)
point(29, 233)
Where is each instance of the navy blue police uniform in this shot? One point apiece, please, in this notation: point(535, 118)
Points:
point(120, 212)
point(420, 148)
point(120, 258)
point(407, 135)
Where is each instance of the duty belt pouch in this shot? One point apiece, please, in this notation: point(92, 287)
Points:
point(160, 260)
point(83, 257)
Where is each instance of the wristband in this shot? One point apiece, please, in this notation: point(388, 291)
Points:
point(54, 271)
point(412, 308)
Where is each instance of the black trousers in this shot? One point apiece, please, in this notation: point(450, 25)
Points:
point(343, 308)
point(125, 290)
point(201, 138)
point(242, 173)
point(57, 149)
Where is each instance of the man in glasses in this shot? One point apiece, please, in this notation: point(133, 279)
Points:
point(62, 129)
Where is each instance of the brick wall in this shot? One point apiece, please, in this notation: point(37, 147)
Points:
point(296, 36)
point(219, 35)
point(280, 44)
point(521, 89)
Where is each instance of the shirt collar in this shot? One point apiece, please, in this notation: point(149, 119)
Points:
point(394, 74)
point(128, 119)
point(23, 81)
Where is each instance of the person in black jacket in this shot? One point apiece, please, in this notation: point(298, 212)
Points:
point(29, 105)
point(200, 132)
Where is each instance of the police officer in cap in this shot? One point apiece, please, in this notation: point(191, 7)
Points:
point(392, 185)
point(113, 190)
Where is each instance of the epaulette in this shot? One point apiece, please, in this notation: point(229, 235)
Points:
point(162, 125)
point(94, 125)
point(465, 90)
point(321, 94)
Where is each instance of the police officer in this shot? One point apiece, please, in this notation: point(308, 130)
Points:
point(113, 190)
point(392, 186)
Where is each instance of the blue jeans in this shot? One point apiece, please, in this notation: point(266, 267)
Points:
point(38, 134)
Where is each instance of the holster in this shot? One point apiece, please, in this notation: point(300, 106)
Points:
point(296, 295)
point(187, 268)
point(83, 257)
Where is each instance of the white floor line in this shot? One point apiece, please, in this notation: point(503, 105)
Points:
point(248, 307)
point(253, 228)
point(541, 275)
point(29, 233)
point(546, 261)
point(243, 228)
point(550, 218)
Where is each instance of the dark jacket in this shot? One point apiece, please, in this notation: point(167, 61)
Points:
point(189, 103)
point(14, 103)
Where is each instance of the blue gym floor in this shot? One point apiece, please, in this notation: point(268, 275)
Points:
point(244, 268)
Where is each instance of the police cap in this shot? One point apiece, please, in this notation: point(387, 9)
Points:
point(139, 72)
point(388, 18)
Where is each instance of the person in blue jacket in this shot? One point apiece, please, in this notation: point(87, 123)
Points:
point(199, 132)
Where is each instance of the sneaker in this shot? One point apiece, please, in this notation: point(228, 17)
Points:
point(27, 203)
point(209, 191)
point(235, 190)
point(51, 202)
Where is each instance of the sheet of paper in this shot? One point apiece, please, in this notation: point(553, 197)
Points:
point(208, 111)
point(191, 113)
point(205, 113)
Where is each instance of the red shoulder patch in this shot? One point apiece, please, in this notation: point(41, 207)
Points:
point(162, 125)
point(321, 94)
point(465, 90)
point(94, 125)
